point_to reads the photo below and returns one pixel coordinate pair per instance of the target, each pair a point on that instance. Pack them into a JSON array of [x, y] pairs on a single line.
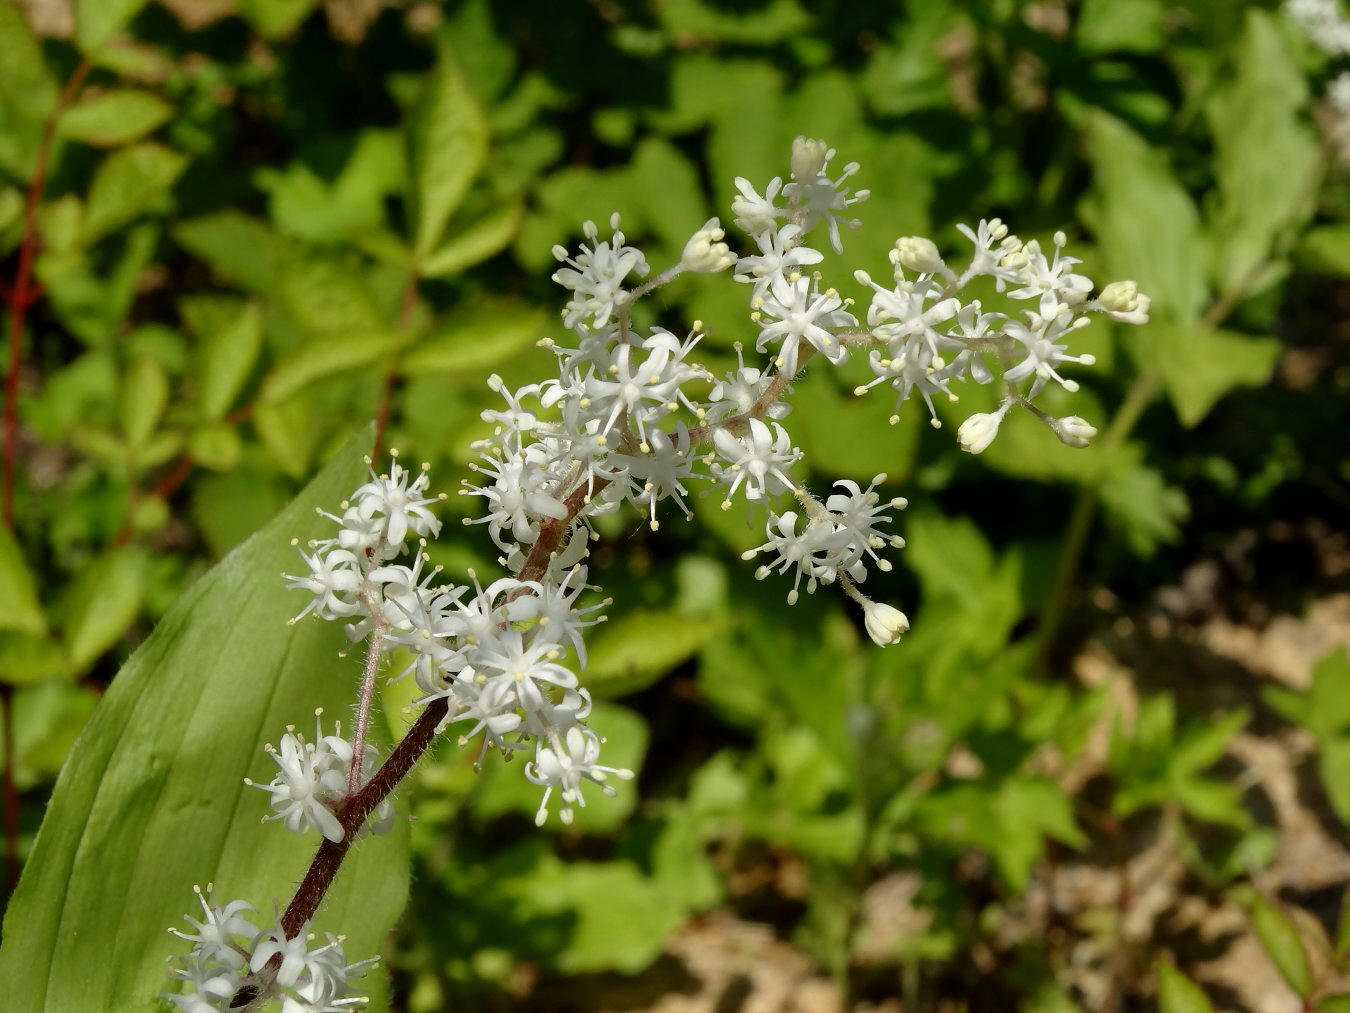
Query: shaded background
[[1119, 722]]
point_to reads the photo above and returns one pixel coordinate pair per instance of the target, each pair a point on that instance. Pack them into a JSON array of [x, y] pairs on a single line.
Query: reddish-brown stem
[[21, 295], [11, 793], [386, 401]]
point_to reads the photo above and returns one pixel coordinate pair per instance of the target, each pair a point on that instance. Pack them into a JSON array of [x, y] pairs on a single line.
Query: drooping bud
[[1122, 300], [1074, 431], [978, 431], [885, 624]]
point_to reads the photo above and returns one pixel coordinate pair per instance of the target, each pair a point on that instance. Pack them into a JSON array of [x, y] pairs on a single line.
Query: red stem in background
[[21, 295], [18, 297]]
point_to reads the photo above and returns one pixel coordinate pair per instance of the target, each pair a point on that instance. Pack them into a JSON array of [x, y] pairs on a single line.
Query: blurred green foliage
[[260, 224]]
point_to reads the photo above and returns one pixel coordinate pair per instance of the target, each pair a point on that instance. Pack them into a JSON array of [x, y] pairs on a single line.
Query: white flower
[[390, 507], [1122, 300], [1045, 352], [815, 197], [979, 430], [1073, 431], [915, 253], [705, 252], [753, 213], [313, 980], [759, 459], [564, 764], [1051, 281], [220, 953], [795, 311], [596, 275], [311, 777], [885, 624], [333, 576], [781, 255]]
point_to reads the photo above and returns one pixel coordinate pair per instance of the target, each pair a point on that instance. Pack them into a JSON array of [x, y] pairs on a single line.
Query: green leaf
[[96, 21], [447, 143], [151, 800], [1279, 938], [275, 18], [1145, 222], [1198, 365], [145, 392], [1265, 154], [27, 659], [227, 355], [1202, 746], [1334, 1004], [102, 603], [216, 447], [19, 606], [633, 651], [475, 339], [288, 432], [328, 356], [1325, 249], [1333, 764], [475, 243], [305, 205], [1105, 26], [1177, 993], [129, 182], [28, 93], [114, 118], [1149, 510], [237, 247]]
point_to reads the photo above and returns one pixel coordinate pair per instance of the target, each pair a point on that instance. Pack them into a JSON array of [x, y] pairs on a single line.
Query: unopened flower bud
[[1122, 300], [978, 431], [915, 253], [705, 252], [1074, 431], [808, 158], [885, 624]]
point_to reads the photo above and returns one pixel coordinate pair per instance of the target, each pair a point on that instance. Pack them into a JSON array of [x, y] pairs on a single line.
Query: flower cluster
[[230, 952], [624, 418]]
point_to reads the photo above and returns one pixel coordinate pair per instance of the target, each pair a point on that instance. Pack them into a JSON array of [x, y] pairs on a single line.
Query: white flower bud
[[978, 431], [915, 253], [1073, 431], [808, 158], [884, 623], [705, 252], [1122, 300]]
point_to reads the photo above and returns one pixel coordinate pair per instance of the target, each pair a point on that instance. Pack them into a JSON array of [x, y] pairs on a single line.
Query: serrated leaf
[[475, 339], [1198, 366], [635, 650], [237, 247], [19, 606], [1146, 507], [447, 143], [114, 118], [1145, 222], [227, 355], [1177, 993], [96, 21], [151, 800], [1279, 938], [128, 183], [102, 602], [474, 243], [1265, 153]]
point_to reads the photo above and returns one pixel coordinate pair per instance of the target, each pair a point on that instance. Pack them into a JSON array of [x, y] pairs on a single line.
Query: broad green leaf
[[761, 23], [1334, 1004], [1145, 222], [237, 247], [305, 205], [327, 356], [28, 93], [145, 392], [19, 606], [152, 799], [1177, 993], [48, 718], [848, 437], [129, 182], [114, 118], [1325, 249], [227, 354], [476, 339], [447, 143], [1279, 938], [216, 447], [1198, 366], [476, 242], [96, 21], [102, 603], [1265, 154], [1150, 511], [633, 651], [287, 430]]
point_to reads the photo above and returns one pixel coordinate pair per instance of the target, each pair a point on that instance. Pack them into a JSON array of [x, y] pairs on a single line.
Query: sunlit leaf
[[114, 118]]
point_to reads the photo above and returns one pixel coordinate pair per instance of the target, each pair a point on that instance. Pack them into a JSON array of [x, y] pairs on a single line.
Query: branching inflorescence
[[631, 417]]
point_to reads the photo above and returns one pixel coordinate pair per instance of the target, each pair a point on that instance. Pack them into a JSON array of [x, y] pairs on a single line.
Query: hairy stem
[[363, 709]]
